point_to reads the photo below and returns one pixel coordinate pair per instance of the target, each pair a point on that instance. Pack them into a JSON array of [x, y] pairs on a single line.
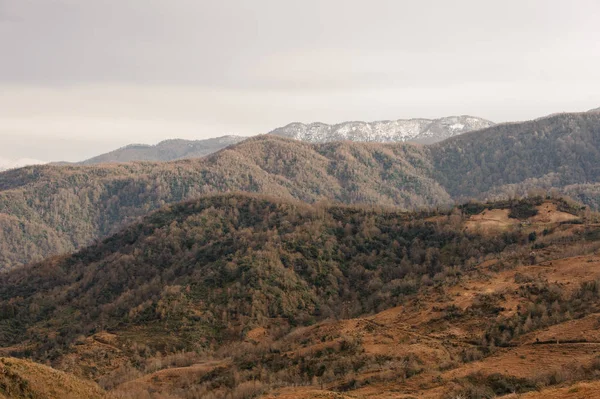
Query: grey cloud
[[145, 70], [229, 43]]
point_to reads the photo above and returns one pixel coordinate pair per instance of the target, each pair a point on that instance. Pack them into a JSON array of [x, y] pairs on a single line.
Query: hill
[[238, 296], [413, 130], [6, 164], [46, 210], [168, 150], [20, 379], [295, 261]]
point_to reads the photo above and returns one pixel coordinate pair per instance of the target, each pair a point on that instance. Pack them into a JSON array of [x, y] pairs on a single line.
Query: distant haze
[[79, 78]]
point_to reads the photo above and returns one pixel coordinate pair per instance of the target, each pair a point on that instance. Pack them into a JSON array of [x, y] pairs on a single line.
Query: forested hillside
[[235, 296], [47, 210], [423, 131], [240, 260], [53, 209], [21, 379]]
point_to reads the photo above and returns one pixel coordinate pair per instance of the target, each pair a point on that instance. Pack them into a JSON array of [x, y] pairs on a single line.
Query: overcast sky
[[81, 77]]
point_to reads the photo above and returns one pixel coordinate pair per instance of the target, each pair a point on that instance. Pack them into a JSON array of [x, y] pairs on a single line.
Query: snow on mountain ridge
[[417, 130]]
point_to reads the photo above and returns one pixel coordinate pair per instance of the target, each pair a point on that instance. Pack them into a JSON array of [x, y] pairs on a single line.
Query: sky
[[82, 77]]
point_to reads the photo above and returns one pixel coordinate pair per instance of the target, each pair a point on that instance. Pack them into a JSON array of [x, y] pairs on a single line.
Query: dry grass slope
[[20, 379]]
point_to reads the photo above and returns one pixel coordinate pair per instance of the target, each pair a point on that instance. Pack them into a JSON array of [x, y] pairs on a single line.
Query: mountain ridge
[[166, 150], [47, 210], [419, 130], [427, 131], [89, 202], [567, 141]]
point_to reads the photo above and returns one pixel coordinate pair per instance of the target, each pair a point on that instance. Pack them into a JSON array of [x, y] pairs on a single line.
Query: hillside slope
[[20, 379], [292, 259], [67, 207], [240, 296], [48, 210]]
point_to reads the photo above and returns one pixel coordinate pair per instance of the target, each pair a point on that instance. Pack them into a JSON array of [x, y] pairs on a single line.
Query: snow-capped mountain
[[415, 130], [6, 164]]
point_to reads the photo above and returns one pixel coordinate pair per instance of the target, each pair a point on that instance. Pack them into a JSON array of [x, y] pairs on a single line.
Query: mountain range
[[413, 130], [168, 150], [277, 268], [6, 164], [46, 210], [424, 131]]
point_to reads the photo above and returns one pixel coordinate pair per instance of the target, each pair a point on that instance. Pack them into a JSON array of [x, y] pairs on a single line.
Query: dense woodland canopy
[[193, 282], [238, 261], [46, 210], [552, 152]]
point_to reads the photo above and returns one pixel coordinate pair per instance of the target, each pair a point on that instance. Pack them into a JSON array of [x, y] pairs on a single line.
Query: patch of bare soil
[[568, 271], [167, 378], [549, 213], [491, 221]]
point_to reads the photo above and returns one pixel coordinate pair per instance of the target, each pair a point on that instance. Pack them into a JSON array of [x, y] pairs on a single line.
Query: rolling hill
[[237, 296], [54, 209], [46, 210]]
